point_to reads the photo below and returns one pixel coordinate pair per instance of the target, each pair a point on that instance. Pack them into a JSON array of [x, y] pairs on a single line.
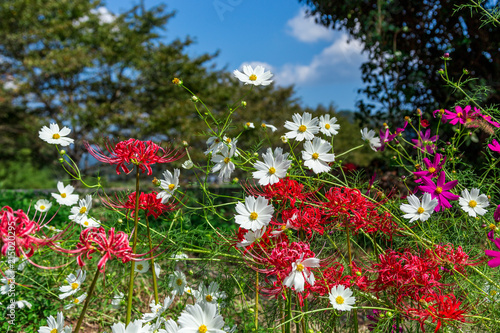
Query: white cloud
[[303, 28]]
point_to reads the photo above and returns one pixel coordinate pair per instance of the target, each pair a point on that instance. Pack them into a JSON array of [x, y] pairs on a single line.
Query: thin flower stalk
[[87, 300], [155, 284]]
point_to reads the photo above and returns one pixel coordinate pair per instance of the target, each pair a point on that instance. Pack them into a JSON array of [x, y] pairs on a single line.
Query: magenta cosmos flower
[[495, 262], [433, 168], [495, 146], [460, 115], [440, 190], [133, 151], [426, 142]]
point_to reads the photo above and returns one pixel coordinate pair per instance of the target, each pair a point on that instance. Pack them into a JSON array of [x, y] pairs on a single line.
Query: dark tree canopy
[[405, 41]]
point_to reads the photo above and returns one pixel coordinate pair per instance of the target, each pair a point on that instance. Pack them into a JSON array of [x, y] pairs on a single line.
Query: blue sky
[[320, 62]]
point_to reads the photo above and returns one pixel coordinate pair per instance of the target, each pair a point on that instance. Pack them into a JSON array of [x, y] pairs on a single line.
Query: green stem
[[354, 312], [155, 284], [87, 301], [256, 320], [288, 314]]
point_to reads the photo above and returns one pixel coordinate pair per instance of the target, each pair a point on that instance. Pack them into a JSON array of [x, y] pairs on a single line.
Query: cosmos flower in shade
[[257, 76], [209, 294], [494, 146], [133, 327], [157, 309], [43, 205], [254, 214], [76, 301], [55, 136], [273, 168], [495, 255], [328, 126], [271, 127], [341, 298], [440, 190], [55, 325], [223, 162], [369, 137], [303, 127], [473, 203], [203, 317], [385, 136], [142, 267], [133, 151], [316, 156], [65, 196], [249, 125], [177, 281], [88, 222], [425, 142], [168, 184], [301, 273], [117, 300], [433, 168], [419, 211]]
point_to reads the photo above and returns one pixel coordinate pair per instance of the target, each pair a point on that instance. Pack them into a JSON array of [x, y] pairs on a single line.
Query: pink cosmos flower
[[385, 136], [460, 115], [489, 119], [496, 214], [141, 153], [440, 190], [495, 262], [426, 142], [433, 168], [495, 146]]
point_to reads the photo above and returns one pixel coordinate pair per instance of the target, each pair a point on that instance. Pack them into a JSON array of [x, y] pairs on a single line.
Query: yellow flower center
[[460, 114], [327, 126], [472, 203], [179, 282], [139, 267], [248, 124], [76, 301], [54, 330], [300, 267], [171, 187], [420, 210], [63, 195], [315, 156], [468, 120], [83, 210], [228, 140], [283, 227], [302, 128], [253, 77], [209, 298], [176, 81], [42, 207], [254, 216], [493, 292], [263, 125], [9, 281], [493, 227], [272, 170], [227, 160], [56, 136], [203, 328], [339, 300], [86, 223], [441, 111], [74, 285], [439, 190], [432, 170]]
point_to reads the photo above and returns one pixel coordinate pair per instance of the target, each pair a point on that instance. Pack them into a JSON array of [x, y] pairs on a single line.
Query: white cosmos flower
[[273, 168], [369, 136], [303, 127], [157, 270], [55, 325], [168, 184], [223, 161], [76, 301], [419, 211], [88, 222], [65, 196], [74, 284], [250, 237], [250, 125], [142, 266], [22, 264], [55, 136], [473, 203], [328, 126], [84, 205], [254, 214], [133, 327], [301, 273], [208, 294], [273, 128], [157, 309], [43, 205], [52, 228], [257, 76], [21, 304], [316, 156], [177, 280], [341, 298], [201, 318], [8, 282], [214, 144], [117, 300], [171, 326]]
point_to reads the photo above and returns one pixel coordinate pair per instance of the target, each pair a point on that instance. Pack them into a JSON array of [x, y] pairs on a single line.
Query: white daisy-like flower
[[171, 326], [179, 256], [300, 273], [273, 168], [117, 300], [168, 184], [76, 301], [257, 76], [214, 144], [223, 161], [341, 298], [369, 136], [157, 270], [249, 125], [142, 266], [74, 284], [43, 205], [52, 228], [133, 327], [188, 290], [201, 317], [473, 203], [22, 263], [21, 304], [271, 127], [177, 280], [187, 164], [328, 126], [88, 222], [65, 196], [419, 211], [303, 127], [316, 156], [250, 237], [8, 282], [208, 294], [55, 136], [283, 228], [55, 325], [83, 208], [254, 214], [157, 309]]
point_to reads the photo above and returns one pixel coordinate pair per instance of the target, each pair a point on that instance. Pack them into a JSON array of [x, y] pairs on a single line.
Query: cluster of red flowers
[[449, 257], [148, 202]]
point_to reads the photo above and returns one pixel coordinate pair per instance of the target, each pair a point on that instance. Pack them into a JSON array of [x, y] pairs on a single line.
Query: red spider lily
[[148, 202], [141, 153], [442, 309], [448, 256], [282, 192], [404, 274], [330, 277], [305, 218]]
